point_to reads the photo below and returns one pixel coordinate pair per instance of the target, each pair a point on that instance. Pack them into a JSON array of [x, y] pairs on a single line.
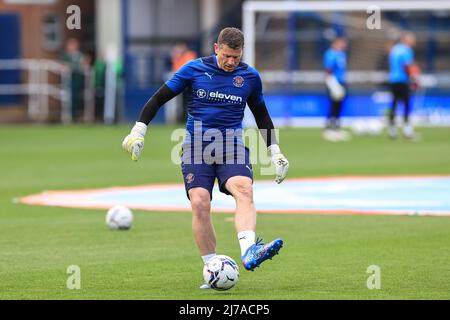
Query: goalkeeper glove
[[134, 142], [337, 91], [280, 162]]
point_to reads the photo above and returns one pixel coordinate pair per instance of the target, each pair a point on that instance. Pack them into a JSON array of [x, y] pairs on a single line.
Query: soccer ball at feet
[[119, 218], [221, 273]]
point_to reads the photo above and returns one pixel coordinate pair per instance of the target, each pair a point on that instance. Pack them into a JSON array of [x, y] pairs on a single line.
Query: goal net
[[286, 41]]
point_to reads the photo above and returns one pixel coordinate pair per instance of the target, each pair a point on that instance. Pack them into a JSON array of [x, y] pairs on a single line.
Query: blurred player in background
[[402, 74], [335, 64], [180, 55], [76, 61], [221, 85]]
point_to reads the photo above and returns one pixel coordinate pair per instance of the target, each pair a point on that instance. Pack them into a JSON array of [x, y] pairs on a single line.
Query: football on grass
[[119, 218], [221, 273]]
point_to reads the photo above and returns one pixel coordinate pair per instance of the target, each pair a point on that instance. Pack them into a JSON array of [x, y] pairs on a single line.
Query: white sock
[[207, 257], [246, 240]]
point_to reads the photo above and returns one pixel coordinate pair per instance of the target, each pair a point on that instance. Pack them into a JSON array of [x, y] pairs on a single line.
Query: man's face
[[227, 59], [410, 41], [72, 46]]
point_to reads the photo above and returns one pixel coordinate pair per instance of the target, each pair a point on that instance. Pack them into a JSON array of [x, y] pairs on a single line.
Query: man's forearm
[[264, 123]]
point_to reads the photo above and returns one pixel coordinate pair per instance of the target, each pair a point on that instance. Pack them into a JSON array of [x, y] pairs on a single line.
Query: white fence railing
[[38, 84], [353, 77]]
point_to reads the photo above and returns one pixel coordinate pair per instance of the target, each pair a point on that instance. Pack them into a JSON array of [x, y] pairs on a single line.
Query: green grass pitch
[[325, 257]]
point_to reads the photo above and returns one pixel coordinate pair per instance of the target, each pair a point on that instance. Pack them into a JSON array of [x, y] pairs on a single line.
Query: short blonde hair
[[232, 37]]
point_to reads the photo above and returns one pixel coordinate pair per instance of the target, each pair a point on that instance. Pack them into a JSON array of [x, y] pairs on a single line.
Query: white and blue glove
[[280, 162], [337, 91], [134, 142]]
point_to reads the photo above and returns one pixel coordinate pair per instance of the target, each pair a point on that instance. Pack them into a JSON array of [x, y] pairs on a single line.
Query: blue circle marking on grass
[[426, 195]]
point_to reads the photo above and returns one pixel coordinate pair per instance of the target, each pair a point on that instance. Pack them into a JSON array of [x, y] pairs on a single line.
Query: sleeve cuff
[[274, 149], [140, 127]]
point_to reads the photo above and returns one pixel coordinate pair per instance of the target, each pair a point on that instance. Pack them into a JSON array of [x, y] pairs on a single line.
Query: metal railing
[[317, 77], [38, 86]]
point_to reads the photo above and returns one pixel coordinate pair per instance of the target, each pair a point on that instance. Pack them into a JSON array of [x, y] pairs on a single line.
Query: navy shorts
[[203, 171]]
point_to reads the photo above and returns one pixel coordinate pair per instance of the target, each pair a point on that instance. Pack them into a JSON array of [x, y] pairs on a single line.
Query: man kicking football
[[221, 86]]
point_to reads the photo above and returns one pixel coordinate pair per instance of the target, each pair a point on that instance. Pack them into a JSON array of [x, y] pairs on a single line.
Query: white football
[[375, 127], [221, 273], [119, 218], [359, 127]]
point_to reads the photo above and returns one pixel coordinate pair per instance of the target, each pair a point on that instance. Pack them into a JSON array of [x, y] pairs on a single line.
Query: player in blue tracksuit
[[401, 59], [335, 65], [221, 86]]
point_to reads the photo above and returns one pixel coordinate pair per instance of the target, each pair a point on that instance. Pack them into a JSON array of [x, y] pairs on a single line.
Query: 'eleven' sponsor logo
[[216, 95]]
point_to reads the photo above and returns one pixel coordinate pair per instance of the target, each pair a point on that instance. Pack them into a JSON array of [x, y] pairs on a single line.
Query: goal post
[[271, 37], [250, 8]]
